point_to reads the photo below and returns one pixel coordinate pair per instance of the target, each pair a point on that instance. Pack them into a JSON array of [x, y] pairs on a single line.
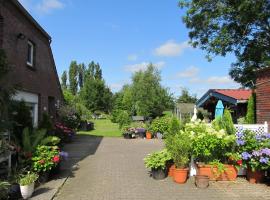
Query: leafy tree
[[240, 27], [250, 117], [98, 72], [185, 97], [81, 74], [64, 80], [73, 77]]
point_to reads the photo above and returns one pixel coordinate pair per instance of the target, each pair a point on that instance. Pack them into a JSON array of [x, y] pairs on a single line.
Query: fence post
[[266, 127]]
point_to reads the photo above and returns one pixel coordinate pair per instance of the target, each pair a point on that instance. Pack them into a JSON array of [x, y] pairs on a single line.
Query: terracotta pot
[[148, 135], [255, 177], [171, 170], [201, 181], [180, 175], [229, 174]]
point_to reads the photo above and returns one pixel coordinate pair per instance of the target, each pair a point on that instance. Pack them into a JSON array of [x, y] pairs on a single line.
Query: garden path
[[115, 171]]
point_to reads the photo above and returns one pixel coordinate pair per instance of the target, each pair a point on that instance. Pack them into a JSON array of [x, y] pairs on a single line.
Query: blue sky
[[124, 36]]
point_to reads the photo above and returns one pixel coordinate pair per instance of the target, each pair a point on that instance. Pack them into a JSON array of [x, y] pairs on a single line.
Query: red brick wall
[[263, 96], [43, 79]]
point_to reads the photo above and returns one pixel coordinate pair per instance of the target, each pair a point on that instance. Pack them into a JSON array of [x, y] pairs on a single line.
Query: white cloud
[[219, 80], [47, 6], [190, 72], [116, 86], [143, 66], [132, 57], [171, 49]]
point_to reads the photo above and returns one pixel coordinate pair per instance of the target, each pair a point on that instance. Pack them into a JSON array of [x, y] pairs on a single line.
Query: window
[[30, 54]]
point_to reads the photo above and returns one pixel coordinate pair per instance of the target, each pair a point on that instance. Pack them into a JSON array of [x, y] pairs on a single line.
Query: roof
[[30, 18], [185, 107], [233, 96]]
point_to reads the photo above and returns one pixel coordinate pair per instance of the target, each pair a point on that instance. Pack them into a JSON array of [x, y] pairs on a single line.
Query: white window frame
[[31, 44]]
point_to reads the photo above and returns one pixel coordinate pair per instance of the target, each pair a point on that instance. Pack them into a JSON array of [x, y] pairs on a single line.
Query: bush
[[251, 111], [225, 122], [157, 159], [160, 125], [174, 126], [123, 119], [70, 117]]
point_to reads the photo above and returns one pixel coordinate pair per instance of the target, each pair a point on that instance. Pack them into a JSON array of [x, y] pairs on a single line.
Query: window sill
[[31, 67]]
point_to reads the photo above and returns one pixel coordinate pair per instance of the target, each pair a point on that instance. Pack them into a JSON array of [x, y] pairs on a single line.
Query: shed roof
[[232, 96]]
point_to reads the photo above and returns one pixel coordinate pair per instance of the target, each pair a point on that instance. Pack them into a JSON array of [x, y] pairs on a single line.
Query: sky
[[124, 37]]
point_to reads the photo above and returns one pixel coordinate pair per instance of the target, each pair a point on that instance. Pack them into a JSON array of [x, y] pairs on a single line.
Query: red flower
[[239, 162], [56, 159], [41, 161]]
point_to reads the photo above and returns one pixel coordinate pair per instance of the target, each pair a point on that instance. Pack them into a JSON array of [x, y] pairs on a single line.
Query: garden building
[[184, 110], [234, 99], [27, 46]]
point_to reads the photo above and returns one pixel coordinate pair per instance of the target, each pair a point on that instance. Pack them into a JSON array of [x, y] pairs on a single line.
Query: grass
[[105, 128]]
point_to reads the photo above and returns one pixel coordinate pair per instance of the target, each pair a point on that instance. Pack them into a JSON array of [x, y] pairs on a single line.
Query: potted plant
[[254, 150], [157, 163], [45, 158], [4, 186], [179, 146], [160, 126], [27, 183]]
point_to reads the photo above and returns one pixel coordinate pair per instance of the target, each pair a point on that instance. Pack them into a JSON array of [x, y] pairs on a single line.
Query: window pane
[[30, 54]]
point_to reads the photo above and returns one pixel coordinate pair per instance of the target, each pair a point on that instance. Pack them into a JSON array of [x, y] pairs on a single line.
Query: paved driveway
[[115, 171]]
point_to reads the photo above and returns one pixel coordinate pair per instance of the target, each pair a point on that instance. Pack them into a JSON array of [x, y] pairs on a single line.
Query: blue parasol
[[219, 109]]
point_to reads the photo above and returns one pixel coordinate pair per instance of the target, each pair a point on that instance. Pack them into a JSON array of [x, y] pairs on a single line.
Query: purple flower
[[264, 160], [239, 135], [245, 155], [256, 153], [267, 135], [64, 155], [240, 142], [265, 151], [259, 137]]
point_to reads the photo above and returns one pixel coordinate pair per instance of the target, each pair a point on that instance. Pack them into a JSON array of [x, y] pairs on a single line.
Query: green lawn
[[104, 127]]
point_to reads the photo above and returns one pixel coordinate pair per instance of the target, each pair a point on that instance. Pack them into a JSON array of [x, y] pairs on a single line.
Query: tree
[[240, 27], [251, 115], [185, 97], [81, 74], [64, 80], [98, 72], [73, 77]]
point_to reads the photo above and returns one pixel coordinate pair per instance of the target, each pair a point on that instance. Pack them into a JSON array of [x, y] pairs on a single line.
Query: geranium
[[56, 159]]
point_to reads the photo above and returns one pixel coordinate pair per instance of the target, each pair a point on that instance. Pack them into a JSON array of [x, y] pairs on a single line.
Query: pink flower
[[56, 159]]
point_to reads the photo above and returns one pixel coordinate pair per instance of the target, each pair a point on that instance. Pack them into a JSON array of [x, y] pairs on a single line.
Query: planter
[[14, 191], [127, 135], [159, 174], [171, 170], [148, 135], [43, 177], [27, 190], [255, 177], [229, 174], [180, 175], [201, 181]]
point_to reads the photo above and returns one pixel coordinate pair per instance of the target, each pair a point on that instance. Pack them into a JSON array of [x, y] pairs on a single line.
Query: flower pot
[[43, 177], [27, 190], [158, 174], [201, 181], [180, 175], [171, 170], [127, 136], [229, 174], [148, 135], [14, 191], [255, 177]]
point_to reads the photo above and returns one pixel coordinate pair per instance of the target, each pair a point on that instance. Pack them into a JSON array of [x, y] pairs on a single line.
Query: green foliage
[[123, 118], [31, 139], [185, 97], [179, 146], [157, 159], [225, 122], [174, 126], [70, 116], [73, 81], [4, 186], [50, 140], [45, 158], [222, 27], [160, 125], [64, 80], [251, 111], [28, 178]]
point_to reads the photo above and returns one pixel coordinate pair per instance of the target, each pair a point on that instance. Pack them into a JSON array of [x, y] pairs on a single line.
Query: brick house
[[263, 96], [27, 46]]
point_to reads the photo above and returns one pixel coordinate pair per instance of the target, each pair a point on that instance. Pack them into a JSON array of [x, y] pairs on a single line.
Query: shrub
[[45, 158], [250, 117], [123, 118], [179, 146], [160, 125], [70, 117], [225, 122], [157, 159], [174, 126]]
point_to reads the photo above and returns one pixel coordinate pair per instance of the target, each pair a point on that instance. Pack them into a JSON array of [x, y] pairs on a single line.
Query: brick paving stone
[[115, 171]]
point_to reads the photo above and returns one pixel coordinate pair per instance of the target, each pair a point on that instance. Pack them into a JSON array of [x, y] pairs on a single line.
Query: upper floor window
[[30, 53]]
